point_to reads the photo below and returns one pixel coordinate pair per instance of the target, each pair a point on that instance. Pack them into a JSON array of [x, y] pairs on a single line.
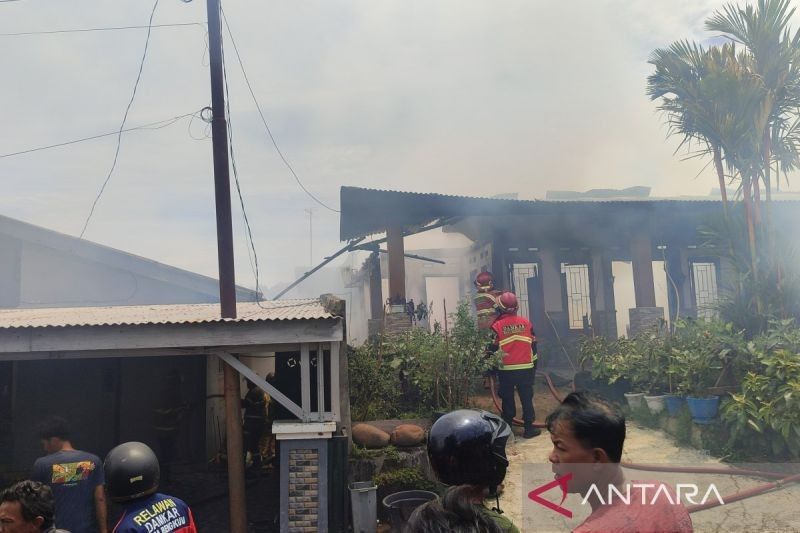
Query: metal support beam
[[274, 393]]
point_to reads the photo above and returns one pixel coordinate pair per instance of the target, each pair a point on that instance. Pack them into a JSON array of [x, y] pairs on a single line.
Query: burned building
[[570, 259]]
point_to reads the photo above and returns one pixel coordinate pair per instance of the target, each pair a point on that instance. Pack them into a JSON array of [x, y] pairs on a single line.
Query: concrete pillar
[[604, 319], [645, 316], [551, 280], [397, 265], [10, 272], [642, 258], [499, 263], [375, 295]]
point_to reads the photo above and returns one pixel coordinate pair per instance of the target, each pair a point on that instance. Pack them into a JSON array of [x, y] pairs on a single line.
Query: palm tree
[[714, 98], [764, 32]]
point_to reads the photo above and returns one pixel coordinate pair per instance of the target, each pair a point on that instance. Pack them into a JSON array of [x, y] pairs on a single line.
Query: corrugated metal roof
[[370, 211], [161, 314]]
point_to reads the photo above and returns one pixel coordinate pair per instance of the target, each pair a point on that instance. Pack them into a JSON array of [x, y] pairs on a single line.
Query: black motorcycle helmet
[[131, 471], [468, 447]]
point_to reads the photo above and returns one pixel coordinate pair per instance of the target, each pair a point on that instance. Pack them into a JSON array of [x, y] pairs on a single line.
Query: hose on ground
[[779, 482]]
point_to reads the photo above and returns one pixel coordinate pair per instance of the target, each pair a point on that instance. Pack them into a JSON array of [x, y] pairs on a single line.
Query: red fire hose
[[779, 482], [517, 421]]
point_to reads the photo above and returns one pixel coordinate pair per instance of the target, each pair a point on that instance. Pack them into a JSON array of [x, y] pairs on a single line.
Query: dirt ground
[[543, 400], [774, 511]]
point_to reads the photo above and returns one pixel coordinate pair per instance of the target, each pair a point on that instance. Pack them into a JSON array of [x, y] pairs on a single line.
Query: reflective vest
[[515, 338], [486, 307]]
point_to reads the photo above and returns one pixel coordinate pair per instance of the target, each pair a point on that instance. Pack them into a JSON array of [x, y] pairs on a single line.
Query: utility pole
[[310, 237], [227, 282]]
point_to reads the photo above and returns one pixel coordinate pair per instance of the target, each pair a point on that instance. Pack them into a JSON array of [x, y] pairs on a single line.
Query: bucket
[[635, 399], [401, 505], [673, 403], [703, 410], [655, 403], [363, 500]]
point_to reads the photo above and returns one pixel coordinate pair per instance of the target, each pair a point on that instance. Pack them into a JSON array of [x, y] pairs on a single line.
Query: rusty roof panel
[[265, 311]]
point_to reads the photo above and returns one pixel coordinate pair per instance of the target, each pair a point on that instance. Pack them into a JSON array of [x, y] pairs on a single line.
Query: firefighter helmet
[[131, 471], [468, 447], [484, 281], [507, 303]]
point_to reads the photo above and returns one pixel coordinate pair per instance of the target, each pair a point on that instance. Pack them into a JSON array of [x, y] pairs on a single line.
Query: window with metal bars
[[579, 301]]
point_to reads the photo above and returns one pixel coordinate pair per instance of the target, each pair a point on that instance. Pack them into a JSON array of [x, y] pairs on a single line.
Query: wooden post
[[397, 265]]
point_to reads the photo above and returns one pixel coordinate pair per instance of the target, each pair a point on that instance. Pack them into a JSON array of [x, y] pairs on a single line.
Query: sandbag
[[407, 435], [369, 436]]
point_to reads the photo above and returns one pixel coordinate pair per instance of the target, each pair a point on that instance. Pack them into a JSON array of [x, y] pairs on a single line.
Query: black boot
[[531, 432]]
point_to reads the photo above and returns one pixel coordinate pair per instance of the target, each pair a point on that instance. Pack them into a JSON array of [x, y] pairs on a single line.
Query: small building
[[305, 339], [104, 338]]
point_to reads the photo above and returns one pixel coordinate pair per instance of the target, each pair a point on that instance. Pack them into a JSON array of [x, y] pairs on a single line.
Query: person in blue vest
[[132, 477]]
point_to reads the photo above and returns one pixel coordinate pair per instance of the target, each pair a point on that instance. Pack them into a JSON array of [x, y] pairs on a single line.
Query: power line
[[124, 119], [151, 126], [264, 120], [252, 255], [109, 28]]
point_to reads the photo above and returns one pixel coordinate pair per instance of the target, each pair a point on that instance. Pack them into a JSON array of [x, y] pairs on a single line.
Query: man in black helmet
[[467, 450], [132, 476]]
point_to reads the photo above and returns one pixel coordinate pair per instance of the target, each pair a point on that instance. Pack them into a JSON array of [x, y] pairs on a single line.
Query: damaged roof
[[369, 211], [265, 311]]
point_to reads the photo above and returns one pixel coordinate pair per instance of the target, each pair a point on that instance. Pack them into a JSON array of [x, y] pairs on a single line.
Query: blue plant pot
[[674, 404], [703, 410]]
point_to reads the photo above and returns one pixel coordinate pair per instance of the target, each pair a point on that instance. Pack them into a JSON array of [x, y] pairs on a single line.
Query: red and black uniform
[[486, 307], [514, 335]]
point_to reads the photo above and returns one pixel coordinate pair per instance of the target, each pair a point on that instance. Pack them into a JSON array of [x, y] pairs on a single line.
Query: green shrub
[[409, 478], [767, 410], [414, 374]]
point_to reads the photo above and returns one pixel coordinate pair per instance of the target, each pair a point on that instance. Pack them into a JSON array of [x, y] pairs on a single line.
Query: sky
[[450, 96]]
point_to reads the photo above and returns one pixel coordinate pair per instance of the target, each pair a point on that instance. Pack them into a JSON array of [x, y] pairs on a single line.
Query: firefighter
[[255, 421], [486, 300], [132, 476], [467, 450], [513, 335]]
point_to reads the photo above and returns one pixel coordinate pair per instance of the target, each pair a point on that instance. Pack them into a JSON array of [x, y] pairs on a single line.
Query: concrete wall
[[50, 278]]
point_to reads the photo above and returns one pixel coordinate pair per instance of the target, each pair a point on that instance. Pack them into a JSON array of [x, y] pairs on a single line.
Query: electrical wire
[[151, 126], [251, 249], [124, 119], [264, 121], [109, 28]]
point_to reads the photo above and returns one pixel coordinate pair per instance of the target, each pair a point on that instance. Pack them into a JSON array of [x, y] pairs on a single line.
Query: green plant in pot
[[632, 365], [697, 371], [656, 362]]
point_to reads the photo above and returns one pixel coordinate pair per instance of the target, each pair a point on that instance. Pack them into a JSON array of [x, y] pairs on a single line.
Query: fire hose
[[780, 480]]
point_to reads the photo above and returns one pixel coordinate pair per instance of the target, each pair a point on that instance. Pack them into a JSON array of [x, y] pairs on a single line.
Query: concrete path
[[774, 511]]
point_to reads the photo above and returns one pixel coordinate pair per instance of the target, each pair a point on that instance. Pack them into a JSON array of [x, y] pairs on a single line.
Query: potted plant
[[697, 371], [632, 365], [655, 362], [673, 400]]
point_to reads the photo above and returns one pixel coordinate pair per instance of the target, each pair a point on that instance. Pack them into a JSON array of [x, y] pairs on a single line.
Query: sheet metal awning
[[369, 211]]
